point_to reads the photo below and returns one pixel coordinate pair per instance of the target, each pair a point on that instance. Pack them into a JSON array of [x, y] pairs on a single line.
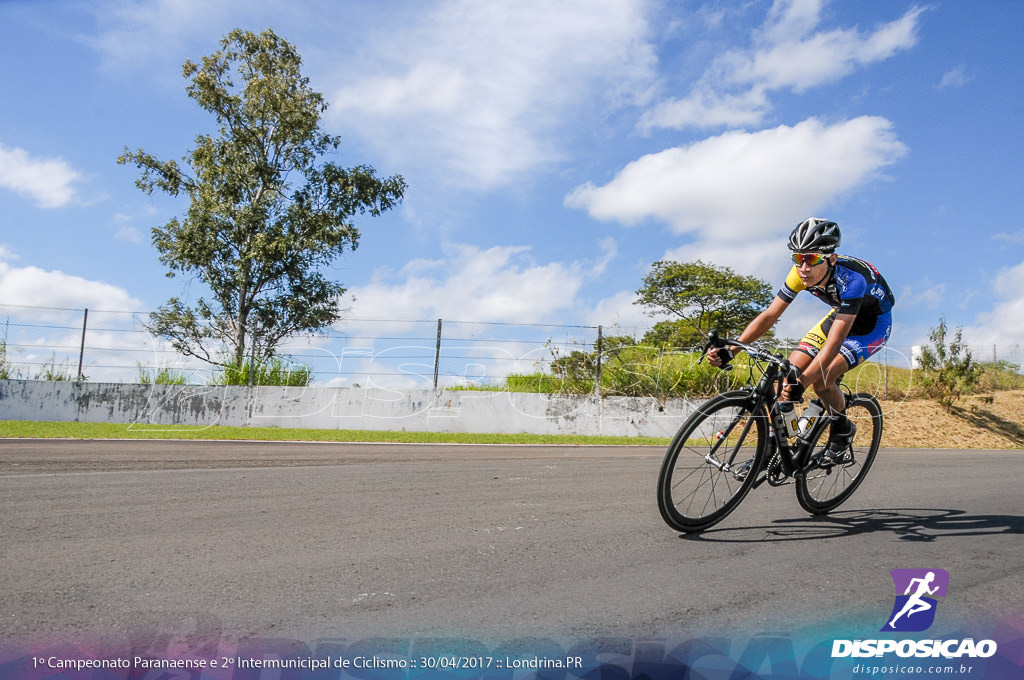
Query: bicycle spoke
[[831, 483], [700, 482]]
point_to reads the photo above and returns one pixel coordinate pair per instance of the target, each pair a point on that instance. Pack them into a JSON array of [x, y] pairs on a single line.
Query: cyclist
[[858, 325]]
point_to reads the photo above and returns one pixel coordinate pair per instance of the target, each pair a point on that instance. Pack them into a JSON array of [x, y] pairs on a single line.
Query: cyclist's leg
[[854, 351], [825, 385]]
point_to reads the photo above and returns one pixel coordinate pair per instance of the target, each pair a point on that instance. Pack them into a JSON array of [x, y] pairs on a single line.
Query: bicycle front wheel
[[827, 485], [711, 463]]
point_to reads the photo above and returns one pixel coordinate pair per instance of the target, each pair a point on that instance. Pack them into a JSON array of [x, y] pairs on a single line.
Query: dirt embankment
[[973, 423]]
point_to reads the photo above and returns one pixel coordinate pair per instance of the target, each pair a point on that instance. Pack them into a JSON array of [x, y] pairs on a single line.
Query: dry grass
[[973, 423]]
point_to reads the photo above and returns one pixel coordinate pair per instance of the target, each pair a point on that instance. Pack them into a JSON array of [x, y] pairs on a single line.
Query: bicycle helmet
[[815, 235]]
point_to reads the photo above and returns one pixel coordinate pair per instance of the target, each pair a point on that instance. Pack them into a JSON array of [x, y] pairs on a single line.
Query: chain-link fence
[[39, 343]]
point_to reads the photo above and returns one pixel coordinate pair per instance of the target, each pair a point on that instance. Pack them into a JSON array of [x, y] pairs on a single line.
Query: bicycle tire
[[824, 488], [694, 494]]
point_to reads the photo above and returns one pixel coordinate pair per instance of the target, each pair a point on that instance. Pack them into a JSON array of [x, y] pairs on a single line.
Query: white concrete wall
[[349, 408]]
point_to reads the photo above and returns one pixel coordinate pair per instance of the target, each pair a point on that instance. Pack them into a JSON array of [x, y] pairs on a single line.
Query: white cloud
[[926, 294], [474, 93], [125, 229], [610, 250], [753, 255], [496, 284], [956, 78], [128, 233], [738, 190], [47, 181], [1002, 325], [1014, 238], [35, 287], [135, 34], [704, 107], [427, 88], [786, 54], [790, 19], [477, 92], [820, 58], [619, 316]]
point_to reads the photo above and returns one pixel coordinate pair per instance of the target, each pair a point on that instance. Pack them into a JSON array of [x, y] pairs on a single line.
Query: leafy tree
[[704, 296], [613, 345], [675, 333], [949, 370], [579, 365], [265, 214]]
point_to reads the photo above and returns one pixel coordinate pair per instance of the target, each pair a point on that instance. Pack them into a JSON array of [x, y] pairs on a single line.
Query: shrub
[[165, 375], [56, 372], [275, 372], [949, 370], [6, 373]]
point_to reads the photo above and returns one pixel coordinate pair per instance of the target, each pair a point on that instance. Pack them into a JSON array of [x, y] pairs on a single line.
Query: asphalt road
[[106, 541]]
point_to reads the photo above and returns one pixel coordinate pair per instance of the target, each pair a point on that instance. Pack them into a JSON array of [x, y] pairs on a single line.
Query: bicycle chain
[[774, 474]]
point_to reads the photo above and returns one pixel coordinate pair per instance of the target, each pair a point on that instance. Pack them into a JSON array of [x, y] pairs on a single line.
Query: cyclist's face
[[812, 274]]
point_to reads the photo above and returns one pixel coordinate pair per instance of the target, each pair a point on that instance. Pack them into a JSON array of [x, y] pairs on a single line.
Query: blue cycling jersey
[[855, 287]]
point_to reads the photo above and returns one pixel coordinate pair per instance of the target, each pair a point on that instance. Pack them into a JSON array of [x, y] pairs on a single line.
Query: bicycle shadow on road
[[906, 524]]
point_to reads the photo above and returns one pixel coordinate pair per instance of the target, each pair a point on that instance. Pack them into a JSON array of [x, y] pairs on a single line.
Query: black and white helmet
[[815, 235]]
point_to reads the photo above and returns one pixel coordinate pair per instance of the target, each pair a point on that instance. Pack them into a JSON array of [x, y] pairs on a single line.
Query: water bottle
[[788, 413], [811, 413]]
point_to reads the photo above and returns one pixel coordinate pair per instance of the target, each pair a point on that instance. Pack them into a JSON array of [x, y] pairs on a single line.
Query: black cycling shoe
[[839, 449]]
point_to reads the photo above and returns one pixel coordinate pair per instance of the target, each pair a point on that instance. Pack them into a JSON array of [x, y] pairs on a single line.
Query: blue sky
[[553, 150]]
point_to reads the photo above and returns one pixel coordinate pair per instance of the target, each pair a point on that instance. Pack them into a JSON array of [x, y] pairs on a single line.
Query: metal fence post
[[885, 372], [437, 353], [81, 349], [599, 347], [995, 368]]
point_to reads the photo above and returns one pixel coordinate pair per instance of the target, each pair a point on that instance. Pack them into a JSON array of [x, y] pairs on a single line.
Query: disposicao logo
[[916, 590], [914, 611]]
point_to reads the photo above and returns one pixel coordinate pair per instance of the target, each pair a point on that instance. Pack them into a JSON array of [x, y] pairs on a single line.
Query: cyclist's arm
[[830, 350], [755, 329], [764, 321]]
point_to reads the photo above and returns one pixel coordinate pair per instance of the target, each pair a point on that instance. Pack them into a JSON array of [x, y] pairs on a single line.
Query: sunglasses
[[810, 259]]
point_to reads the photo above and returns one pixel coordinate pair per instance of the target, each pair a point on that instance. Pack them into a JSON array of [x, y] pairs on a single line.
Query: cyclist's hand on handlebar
[[793, 392], [792, 388], [720, 357]]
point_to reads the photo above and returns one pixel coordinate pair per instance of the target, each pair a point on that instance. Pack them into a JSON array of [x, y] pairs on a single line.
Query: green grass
[[51, 430], [650, 371]]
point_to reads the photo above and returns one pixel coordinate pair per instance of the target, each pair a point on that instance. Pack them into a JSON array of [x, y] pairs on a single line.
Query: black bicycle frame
[[793, 458]]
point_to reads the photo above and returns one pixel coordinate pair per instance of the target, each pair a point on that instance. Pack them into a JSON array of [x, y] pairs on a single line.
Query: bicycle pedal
[[823, 459], [843, 458], [740, 472], [828, 458]]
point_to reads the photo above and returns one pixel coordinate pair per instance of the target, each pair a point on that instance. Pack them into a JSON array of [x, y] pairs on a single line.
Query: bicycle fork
[[722, 436]]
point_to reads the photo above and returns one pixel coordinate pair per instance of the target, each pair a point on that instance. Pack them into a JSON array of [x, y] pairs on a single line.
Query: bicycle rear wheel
[[825, 486], [702, 479]]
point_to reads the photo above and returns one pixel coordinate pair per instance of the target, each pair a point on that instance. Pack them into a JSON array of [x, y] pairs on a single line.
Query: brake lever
[[711, 342], [715, 341]]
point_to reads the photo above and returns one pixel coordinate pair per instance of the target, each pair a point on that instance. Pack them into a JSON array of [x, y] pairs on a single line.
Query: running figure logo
[[916, 590]]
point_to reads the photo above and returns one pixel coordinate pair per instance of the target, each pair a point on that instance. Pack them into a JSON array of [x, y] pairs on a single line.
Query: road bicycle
[[738, 440]]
